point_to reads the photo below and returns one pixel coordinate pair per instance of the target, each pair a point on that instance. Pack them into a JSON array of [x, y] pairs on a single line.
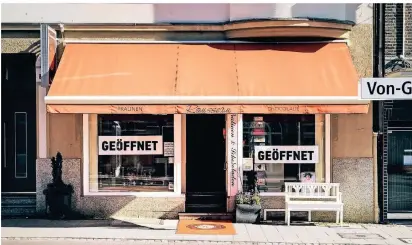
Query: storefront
[[177, 121]]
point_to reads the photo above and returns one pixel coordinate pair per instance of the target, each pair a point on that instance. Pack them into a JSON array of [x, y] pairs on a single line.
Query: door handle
[[4, 145]]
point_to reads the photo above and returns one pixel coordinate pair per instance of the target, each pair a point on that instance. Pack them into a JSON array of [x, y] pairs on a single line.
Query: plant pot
[[246, 213], [58, 199]]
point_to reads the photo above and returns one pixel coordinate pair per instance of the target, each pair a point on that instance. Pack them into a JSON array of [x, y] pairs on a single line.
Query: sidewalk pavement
[[164, 232]]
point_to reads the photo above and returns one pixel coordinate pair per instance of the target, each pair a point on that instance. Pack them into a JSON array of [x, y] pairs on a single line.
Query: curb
[[163, 241]]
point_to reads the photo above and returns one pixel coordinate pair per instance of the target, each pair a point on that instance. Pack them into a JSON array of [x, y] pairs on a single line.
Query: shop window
[[135, 154], [277, 130]]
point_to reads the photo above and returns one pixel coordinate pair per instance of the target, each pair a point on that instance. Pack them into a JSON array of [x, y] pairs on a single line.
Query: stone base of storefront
[[104, 206], [355, 176]]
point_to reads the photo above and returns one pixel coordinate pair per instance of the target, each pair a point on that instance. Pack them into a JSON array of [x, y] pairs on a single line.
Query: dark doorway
[[205, 164], [18, 95], [400, 171]]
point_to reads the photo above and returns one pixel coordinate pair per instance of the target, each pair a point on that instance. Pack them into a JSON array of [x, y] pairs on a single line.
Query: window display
[[278, 130], [135, 153]]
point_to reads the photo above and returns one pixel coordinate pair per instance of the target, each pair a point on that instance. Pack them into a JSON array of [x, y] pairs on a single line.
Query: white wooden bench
[[308, 197]]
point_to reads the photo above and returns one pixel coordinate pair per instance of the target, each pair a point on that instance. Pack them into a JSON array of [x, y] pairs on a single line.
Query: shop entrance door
[[18, 122], [205, 164], [400, 174]]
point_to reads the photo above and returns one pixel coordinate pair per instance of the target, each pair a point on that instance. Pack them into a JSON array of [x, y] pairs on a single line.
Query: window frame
[[325, 152], [87, 141]]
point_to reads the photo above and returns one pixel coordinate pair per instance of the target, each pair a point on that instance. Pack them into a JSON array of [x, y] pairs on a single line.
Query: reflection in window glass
[[277, 129], [20, 140], [140, 172]]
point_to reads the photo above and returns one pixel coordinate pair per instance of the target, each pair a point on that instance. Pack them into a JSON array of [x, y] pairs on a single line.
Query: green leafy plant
[[248, 198], [255, 199], [239, 198]]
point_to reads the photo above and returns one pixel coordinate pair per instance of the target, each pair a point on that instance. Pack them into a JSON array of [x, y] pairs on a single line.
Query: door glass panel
[[20, 142], [400, 171]]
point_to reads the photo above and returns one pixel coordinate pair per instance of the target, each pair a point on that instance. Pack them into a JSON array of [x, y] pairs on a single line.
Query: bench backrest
[[296, 190]]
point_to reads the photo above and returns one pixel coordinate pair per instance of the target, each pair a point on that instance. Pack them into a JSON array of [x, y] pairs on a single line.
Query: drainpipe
[[381, 69], [382, 39], [375, 61], [61, 27], [404, 30], [375, 107], [378, 71], [375, 178]]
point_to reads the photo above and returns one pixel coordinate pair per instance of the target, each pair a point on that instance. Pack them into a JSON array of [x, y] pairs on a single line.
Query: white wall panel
[[182, 13], [76, 13]]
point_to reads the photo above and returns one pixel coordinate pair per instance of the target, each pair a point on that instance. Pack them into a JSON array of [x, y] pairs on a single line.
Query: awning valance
[[206, 78]]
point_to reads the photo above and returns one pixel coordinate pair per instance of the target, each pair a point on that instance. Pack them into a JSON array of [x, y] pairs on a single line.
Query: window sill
[[135, 194], [272, 194]]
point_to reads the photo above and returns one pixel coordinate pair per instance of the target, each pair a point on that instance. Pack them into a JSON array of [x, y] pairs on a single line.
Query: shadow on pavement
[[45, 223]]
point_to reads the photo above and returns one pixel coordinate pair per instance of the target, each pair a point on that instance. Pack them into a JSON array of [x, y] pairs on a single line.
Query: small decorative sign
[[286, 154], [130, 145], [308, 177], [247, 164], [169, 149]]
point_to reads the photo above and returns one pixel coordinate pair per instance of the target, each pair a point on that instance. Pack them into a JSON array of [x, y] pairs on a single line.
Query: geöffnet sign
[[286, 154], [130, 145]]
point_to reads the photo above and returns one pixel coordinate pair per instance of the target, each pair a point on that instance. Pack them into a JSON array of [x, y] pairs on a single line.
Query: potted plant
[[58, 194], [248, 206]]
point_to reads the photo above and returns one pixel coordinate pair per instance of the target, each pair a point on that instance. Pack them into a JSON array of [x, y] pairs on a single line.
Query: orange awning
[[206, 78]]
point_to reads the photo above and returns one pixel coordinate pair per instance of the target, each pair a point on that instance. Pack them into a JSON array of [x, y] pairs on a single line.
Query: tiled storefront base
[[104, 206], [355, 176]]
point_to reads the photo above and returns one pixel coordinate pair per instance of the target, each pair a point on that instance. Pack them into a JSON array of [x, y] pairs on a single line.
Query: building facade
[[192, 88], [394, 119]]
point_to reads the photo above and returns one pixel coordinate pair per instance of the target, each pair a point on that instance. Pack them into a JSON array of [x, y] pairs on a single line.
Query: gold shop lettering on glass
[[233, 150], [130, 145], [280, 109], [129, 108], [194, 109], [286, 154]]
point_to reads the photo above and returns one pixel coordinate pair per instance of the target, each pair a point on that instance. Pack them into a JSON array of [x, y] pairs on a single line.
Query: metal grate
[[387, 108], [361, 236]]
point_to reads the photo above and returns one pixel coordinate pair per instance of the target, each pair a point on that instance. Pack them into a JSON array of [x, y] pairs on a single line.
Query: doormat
[[205, 227]]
